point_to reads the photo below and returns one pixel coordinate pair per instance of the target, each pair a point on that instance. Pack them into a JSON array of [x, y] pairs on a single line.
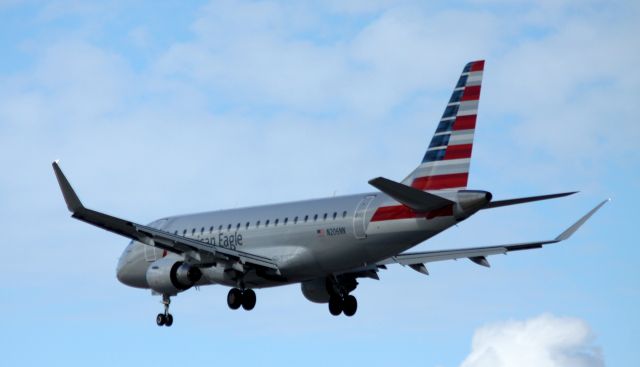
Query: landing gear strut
[[245, 298], [165, 319]]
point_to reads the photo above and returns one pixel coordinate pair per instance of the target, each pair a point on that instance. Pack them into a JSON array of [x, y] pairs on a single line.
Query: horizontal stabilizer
[[413, 198], [499, 203]]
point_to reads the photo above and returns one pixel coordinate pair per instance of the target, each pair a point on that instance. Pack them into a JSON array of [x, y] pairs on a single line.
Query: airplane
[[325, 245]]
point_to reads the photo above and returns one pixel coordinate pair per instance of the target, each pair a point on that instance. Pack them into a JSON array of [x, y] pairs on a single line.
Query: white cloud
[[543, 341]]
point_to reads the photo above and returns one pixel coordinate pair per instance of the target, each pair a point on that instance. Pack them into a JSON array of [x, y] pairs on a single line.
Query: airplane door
[[151, 253], [360, 217]]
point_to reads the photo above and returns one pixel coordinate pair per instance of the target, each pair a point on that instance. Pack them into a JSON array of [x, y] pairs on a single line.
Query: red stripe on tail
[[465, 122], [441, 181], [477, 66], [402, 212], [458, 151], [471, 93]]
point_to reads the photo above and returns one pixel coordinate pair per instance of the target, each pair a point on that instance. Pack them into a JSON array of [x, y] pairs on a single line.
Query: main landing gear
[[165, 319], [245, 298], [343, 304]]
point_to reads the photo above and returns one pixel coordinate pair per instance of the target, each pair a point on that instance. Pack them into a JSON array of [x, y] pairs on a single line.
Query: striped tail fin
[[445, 165]]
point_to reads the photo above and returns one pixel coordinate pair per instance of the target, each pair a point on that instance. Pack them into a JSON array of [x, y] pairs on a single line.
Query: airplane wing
[[416, 260], [197, 251]]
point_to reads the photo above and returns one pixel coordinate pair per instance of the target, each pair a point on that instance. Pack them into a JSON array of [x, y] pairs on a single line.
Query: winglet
[[70, 197], [571, 230]]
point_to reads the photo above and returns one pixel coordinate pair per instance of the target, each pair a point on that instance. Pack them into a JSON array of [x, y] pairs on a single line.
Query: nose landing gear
[[165, 319]]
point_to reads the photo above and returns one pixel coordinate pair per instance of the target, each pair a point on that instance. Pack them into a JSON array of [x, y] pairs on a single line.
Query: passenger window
[[193, 231], [324, 217], [229, 227], [276, 222], [335, 215], [220, 228], [344, 214], [305, 218], [295, 220], [184, 232], [266, 224], [202, 231], [286, 220], [176, 232], [246, 226], [237, 226], [211, 229], [315, 217], [257, 224]]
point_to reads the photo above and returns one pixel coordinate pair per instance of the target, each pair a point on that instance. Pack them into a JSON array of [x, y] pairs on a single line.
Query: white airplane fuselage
[[309, 239]]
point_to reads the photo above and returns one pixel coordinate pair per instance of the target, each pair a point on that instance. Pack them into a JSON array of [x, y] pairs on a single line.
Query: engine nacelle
[[316, 290], [168, 276]]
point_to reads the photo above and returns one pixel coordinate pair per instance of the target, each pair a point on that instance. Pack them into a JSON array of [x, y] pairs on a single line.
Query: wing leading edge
[[416, 260], [197, 251]]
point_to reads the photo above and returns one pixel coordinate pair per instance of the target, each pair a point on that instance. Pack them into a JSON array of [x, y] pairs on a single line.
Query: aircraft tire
[[248, 299], [161, 319], [234, 298], [335, 306], [350, 305], [168, 320]]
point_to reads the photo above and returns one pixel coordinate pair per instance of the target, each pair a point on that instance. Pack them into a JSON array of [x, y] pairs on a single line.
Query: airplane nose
[[130, 271], [122, 273]]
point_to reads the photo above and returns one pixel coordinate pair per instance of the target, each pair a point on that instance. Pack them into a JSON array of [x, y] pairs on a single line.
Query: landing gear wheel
[[335, 306], [161, 319], [248, 299], [168, 320], [234, 298], [350, 306]]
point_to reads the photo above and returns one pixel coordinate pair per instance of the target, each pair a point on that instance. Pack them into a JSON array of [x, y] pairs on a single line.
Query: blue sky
[[158, 109]]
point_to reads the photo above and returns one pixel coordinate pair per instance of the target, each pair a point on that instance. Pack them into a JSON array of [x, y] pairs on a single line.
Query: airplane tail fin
[[445, 165]]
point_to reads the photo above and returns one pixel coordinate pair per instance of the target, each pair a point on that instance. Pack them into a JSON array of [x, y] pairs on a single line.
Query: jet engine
[[168, 276], [316, 290]]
